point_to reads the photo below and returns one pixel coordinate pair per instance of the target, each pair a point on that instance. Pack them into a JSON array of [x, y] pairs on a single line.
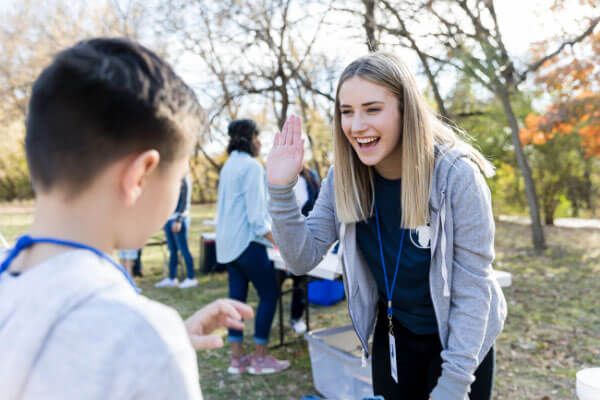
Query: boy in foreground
[[109, 131]]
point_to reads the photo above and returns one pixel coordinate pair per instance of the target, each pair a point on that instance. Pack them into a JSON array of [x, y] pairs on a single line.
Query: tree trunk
[[549, 204], [369, 25], [537, 232], [549, 215]]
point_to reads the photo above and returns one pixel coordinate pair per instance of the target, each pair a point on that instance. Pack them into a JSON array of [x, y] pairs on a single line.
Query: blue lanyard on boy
[[389, 289], [27, 241]]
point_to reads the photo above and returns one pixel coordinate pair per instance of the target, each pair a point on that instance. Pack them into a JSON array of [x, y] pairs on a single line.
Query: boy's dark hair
[[241, 132], [99, 101]]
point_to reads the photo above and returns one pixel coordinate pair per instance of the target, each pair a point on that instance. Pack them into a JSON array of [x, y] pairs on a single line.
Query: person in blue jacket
[[243, 234]]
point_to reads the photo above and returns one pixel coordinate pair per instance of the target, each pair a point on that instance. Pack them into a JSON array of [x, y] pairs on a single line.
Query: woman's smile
[[367, 143]]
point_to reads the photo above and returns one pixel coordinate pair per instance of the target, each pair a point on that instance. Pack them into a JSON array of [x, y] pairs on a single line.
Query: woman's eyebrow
[[369, 103]]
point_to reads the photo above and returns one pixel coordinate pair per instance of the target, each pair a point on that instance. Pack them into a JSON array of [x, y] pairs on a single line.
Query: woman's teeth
[[366, 140]]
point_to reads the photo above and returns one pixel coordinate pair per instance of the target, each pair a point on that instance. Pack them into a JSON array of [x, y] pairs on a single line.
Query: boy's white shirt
[[73, 328]]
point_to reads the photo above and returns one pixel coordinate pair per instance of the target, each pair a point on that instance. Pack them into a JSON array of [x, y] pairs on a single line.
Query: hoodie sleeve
[[303, 241], [469, 212]]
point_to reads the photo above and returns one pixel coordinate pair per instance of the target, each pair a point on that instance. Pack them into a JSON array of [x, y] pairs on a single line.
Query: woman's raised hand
[[286, 157]]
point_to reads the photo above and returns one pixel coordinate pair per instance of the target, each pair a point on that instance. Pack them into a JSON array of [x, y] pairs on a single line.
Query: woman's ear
[[136, 173]]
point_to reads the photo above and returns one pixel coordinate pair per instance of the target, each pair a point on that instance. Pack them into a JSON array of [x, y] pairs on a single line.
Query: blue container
[[324, 292]]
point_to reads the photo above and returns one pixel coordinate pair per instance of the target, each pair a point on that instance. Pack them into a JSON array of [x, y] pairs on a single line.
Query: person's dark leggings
[[298, 296], [178, 242], [253, 265], [419, 364], [137, 265]]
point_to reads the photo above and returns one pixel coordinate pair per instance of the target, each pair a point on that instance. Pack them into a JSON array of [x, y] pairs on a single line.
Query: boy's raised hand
[[286, 157], [220, 313]]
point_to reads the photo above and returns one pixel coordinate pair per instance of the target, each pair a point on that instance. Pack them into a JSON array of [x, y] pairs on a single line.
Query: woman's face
[[256, 145], [370, 120]]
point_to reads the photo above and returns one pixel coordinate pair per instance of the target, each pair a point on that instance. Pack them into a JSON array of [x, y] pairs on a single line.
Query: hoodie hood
[[445, 160]]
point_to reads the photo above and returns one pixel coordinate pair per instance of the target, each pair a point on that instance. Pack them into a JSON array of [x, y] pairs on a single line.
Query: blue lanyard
[[26, 241], [389, 289]]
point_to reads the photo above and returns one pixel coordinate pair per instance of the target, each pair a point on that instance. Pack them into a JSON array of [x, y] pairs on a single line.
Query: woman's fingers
[[292, 120], [290, 133], [297, 130], [285, 132]]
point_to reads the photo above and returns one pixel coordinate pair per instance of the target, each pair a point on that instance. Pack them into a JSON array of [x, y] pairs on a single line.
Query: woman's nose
[[357, 123]]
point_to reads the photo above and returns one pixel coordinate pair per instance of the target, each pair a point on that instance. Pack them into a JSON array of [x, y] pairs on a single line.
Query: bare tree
[[494, 69], [369, 24], [258, 56], [30, 34], [390, 20]]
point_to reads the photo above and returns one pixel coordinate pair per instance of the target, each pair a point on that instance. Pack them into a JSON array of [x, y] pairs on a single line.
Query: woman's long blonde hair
[[421, 130]]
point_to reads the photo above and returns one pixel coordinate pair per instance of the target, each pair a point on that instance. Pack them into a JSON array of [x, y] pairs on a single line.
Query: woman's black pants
[[419, 364]]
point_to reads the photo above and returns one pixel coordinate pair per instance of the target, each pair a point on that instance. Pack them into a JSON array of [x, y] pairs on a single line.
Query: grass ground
[[552, 331]]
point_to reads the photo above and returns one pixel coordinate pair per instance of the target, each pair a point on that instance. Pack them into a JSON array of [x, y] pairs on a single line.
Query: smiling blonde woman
[[408, 202]]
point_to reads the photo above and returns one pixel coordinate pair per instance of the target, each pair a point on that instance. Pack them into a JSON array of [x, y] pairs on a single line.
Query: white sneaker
[[299, 326], [167, 282], [188, 283]]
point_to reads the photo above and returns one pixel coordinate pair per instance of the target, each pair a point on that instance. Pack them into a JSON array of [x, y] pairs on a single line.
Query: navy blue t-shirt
[[411, 300]]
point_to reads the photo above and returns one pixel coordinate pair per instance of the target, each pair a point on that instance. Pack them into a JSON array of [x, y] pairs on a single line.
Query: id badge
[[394, 366]]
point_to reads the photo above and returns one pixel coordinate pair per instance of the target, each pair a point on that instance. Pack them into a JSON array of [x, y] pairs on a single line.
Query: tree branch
[[533, 67]]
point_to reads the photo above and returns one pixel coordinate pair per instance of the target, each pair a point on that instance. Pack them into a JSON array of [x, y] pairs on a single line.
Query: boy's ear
[[135, 174]]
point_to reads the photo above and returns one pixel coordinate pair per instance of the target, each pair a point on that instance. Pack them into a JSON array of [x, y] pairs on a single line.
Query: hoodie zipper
[[365, 351], [365, 348], [444, 267]]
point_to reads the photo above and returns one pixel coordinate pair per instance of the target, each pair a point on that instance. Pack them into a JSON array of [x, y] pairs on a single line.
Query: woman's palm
[[286, 157]]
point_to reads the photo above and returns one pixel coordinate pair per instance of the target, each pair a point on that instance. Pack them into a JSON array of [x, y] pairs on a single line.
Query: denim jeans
[[177, 242], [253, 265]]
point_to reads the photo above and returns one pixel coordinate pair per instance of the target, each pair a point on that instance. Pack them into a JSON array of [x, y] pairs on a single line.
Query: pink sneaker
[[239, 365], [267, 365]]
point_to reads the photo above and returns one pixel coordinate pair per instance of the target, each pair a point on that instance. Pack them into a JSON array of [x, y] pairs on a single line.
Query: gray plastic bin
[[336, 364]]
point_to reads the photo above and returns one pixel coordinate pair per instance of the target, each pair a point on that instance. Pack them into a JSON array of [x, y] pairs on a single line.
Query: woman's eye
[[373, 110], [346, 112]]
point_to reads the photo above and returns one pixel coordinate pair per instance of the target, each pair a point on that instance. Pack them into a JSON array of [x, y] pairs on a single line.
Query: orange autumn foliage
[[573, 81], [566, 118]]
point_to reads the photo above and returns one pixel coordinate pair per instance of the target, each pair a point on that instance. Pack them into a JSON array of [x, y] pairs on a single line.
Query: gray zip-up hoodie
[[469, 305]]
